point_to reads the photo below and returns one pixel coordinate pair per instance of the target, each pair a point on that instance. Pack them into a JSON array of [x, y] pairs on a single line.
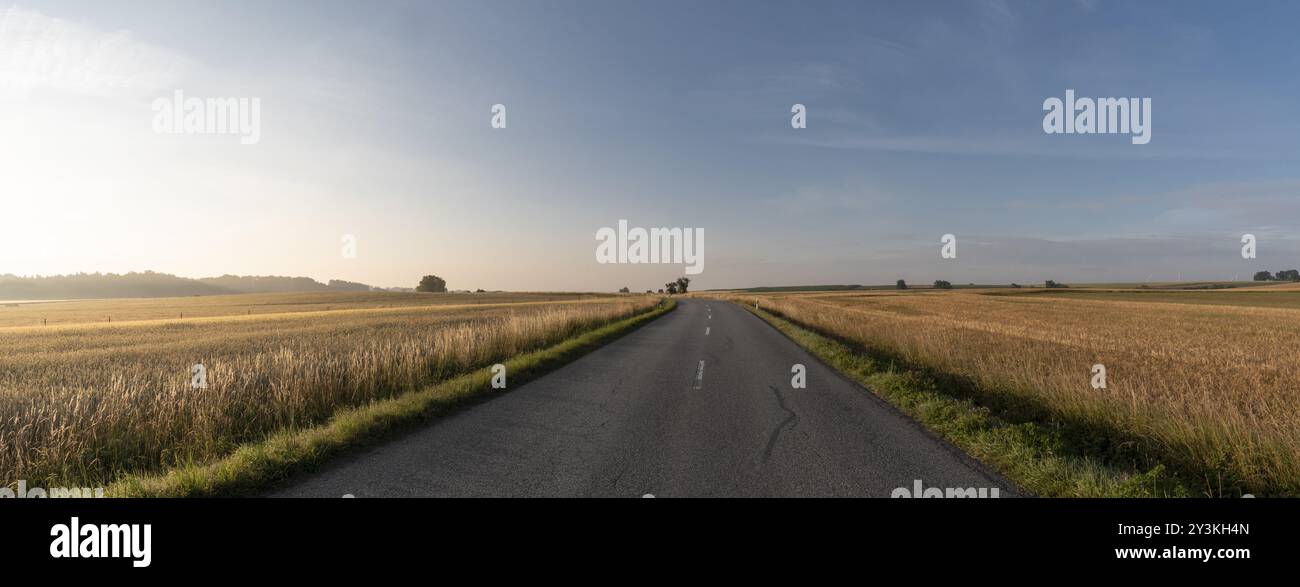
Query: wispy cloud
[[805, 78], [1088, 5], [1271, 206], [38, 51]]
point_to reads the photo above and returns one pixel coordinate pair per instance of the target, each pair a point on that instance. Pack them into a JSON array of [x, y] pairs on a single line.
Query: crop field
[[135, 309], [1206, 382], [1262, 297], [84, 403]]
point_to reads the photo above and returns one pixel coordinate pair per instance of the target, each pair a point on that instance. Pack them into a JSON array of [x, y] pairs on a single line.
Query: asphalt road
[[697, 403]]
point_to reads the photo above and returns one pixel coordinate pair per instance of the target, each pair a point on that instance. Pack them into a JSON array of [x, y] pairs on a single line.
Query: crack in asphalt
[[791, 419]]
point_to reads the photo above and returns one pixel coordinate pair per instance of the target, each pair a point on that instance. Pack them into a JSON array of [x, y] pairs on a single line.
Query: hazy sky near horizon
[[923, 118]]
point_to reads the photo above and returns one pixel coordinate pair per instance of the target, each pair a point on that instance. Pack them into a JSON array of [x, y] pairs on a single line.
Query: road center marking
[[706, 331], [699, 375]]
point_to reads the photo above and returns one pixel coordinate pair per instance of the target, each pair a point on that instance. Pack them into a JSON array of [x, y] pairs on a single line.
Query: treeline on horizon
[[150, 284]]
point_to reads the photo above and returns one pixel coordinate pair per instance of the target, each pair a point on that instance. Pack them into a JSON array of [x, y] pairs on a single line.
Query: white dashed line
[[706, 331], [699, 375]]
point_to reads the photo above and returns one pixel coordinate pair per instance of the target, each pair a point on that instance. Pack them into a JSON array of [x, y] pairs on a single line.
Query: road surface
[[697, 403]]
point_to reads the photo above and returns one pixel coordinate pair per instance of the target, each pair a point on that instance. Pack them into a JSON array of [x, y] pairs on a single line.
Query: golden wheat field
[[1213, 386], [135, 309], [83, 403]]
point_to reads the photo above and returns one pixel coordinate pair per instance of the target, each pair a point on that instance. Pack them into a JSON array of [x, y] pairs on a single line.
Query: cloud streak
[[38, 51]]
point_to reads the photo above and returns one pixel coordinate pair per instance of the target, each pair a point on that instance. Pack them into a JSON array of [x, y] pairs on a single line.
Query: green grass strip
[[1035, 455], [256, 467]]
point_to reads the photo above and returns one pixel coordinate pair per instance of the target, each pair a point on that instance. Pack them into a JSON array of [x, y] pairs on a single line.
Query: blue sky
[[924, 118]]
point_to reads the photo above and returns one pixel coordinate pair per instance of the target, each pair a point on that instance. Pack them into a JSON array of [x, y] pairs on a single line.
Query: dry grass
[[83, 404], [1210, 389]]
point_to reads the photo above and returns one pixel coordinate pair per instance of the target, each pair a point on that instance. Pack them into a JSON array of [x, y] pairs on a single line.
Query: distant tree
[[649, 291], [661, 290], [900, 284], [1015, 285], [1052, 284], [338, 284], [265, 283], [682, 284], [671, 287], [479, 290], [624, 290], [1288, 275], [941, 284], [432, 283], [1264, 276]]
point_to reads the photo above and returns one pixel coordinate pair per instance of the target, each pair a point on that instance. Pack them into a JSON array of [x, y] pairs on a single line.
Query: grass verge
[[1045, 456], [261, 465]]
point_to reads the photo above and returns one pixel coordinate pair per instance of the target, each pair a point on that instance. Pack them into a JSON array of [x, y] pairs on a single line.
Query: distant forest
[[156, 285]]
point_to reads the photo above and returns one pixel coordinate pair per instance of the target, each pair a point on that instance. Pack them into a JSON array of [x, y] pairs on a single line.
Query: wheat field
[[82, 312], [84, 403], [1211, 387]]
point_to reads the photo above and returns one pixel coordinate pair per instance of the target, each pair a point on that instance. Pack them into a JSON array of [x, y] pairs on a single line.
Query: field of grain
[[1259, 297], [1285, 286], [83, 403], [1211, 387], [136, 309]]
